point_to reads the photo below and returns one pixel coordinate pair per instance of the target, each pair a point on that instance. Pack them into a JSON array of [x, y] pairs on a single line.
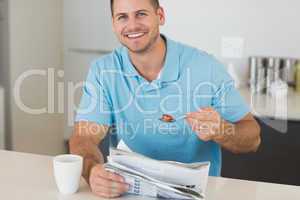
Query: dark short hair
[[155, 4]]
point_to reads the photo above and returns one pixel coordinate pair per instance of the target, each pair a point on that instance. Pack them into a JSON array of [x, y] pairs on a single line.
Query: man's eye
[[141, 14], [121, 17]]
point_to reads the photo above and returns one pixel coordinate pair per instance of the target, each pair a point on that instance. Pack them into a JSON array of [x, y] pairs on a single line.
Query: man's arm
[[84, 141], [245, 135], [240, 137]]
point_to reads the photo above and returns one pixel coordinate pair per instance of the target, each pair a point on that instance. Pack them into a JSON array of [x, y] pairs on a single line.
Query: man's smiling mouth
[[135, 35]]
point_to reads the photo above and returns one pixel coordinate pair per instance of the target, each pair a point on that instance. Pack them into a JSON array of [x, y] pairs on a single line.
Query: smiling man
[[148, 76]]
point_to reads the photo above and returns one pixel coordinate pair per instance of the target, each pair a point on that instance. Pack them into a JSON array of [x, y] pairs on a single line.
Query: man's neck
[[150, 63]]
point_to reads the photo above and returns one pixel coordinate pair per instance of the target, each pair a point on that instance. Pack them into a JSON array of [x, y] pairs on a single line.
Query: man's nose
[[132, 24]]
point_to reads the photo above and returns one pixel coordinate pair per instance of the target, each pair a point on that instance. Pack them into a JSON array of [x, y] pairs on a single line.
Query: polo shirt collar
[[128, 67], [170, 70]]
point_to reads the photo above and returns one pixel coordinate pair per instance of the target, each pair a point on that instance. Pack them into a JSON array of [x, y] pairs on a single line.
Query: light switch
[[232, 47]]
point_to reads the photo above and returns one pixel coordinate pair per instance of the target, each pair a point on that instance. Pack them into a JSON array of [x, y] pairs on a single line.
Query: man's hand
[[240, 137], [206, 123], [106, 184]]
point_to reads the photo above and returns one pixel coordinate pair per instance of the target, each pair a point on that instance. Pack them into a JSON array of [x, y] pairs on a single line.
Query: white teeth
[[136, 35]]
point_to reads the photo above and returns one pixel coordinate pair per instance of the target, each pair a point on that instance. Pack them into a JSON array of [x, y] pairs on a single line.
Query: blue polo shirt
[[115, 94]]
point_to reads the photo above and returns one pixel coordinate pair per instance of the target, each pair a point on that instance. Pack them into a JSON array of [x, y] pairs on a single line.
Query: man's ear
[[161, 15]]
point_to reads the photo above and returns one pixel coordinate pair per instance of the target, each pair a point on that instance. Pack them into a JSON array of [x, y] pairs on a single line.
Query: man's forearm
[[89, 151], [85, 141], [242, 137]]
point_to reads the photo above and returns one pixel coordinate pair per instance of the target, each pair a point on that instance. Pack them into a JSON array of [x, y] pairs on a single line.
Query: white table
[[29, 176]]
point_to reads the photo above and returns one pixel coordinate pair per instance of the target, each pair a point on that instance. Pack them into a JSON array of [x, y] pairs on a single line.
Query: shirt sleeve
[[94, 104], [227, 99]]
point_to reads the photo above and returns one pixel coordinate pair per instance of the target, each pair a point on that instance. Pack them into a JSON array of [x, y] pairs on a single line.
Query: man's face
[[136, 23]]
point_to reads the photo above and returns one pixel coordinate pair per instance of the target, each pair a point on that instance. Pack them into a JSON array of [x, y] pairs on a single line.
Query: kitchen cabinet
[[277, 159]]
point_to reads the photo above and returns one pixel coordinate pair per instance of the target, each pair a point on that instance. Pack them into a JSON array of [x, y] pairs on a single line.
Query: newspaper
[[160, 179]]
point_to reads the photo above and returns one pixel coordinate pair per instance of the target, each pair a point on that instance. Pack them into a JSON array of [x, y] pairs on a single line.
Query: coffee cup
[[67, 172]]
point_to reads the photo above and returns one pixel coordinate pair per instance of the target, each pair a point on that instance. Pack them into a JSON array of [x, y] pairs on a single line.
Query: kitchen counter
[[263, 105], [30, 176]]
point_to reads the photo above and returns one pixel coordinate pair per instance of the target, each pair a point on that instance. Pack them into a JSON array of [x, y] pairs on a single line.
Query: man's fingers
[[197, 124], [109, 175], [108, 191], [106, 195], [205, 130], [101, 172], [198, 115], [204, 122], [108, 188], [107, 184], [204, 114], [205, 137], [120, 187], [191, 121], [114, 177]]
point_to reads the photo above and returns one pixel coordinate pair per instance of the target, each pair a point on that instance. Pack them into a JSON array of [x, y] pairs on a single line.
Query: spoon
[[170, 119]]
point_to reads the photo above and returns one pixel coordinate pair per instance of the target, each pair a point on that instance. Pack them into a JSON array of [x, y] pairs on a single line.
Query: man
[[152, 75]]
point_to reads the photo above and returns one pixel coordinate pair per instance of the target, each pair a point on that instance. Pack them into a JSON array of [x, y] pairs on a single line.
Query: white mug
[[67, 172]]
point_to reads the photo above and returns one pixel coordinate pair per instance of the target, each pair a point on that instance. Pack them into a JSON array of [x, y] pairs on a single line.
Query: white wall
[[269, 27], [35, 43]]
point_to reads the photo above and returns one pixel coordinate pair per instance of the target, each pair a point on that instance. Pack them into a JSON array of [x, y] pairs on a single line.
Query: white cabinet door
[[87, 25]]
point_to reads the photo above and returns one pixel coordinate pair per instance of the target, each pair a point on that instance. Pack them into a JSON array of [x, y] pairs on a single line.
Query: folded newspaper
[[160, 179]]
